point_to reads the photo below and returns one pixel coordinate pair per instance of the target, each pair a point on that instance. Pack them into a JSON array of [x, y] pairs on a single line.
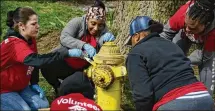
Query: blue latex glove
[[75, 52], [38, 89], [107, 37], [90, 50]]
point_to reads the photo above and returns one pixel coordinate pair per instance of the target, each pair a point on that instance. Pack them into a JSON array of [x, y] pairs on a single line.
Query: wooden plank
[[44, 109]]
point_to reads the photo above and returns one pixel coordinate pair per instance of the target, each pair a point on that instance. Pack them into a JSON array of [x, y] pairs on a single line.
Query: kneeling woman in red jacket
[[20, 63]]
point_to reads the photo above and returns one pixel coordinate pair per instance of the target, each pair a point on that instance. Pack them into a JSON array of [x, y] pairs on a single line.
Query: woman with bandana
[[194, 23], [86, 34]]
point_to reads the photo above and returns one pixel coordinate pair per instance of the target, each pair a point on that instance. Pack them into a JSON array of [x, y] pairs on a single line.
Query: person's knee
[[76, 83], [39, 103], [44, 103]]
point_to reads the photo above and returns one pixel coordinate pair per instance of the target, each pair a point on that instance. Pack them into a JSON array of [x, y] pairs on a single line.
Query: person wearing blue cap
[[159, 73]]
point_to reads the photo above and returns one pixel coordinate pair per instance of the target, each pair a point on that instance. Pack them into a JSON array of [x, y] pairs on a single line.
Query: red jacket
[[15, 76], [176, 23]]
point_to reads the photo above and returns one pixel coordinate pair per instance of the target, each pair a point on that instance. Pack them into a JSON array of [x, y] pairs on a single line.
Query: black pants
[[74, 81]]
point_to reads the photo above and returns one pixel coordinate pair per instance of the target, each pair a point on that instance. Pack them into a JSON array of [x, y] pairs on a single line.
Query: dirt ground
[[48, 42]]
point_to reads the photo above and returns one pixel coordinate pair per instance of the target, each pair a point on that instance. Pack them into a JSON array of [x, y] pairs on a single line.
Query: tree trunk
[[127, 10]]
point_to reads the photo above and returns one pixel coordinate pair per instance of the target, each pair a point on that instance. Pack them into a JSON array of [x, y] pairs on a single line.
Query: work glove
[[75, 52], [108, 37], [90, 50], [38, 89]]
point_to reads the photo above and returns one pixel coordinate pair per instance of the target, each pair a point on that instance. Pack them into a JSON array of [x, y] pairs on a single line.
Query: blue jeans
[[26, 99]]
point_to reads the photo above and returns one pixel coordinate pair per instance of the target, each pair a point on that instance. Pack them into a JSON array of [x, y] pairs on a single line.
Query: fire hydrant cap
[[109, 54]]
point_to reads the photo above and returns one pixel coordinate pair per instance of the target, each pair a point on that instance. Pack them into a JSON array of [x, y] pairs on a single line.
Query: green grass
[[52, 15]]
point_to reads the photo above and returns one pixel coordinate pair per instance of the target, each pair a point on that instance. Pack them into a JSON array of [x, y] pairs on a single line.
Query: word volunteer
[[71, 101]]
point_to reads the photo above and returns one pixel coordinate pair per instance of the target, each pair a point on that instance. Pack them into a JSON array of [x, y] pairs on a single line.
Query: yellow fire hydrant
[[107, 74]]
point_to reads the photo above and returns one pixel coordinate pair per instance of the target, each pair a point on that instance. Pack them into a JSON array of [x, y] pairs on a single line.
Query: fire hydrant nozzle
[[103, 76]]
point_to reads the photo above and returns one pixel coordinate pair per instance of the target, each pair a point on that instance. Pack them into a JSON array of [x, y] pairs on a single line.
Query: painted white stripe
[[199, 92], [195, 96]]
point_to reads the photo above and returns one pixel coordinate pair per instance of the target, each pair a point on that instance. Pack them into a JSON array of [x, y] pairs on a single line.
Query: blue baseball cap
[[140, 23]]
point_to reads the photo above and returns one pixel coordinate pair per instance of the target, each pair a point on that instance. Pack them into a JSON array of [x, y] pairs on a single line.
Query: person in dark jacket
[[194, 23], [86, 33], [160, 75], [20, 62]]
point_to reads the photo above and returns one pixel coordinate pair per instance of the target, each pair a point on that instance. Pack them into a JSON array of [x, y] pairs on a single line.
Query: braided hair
[[202, 10]]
